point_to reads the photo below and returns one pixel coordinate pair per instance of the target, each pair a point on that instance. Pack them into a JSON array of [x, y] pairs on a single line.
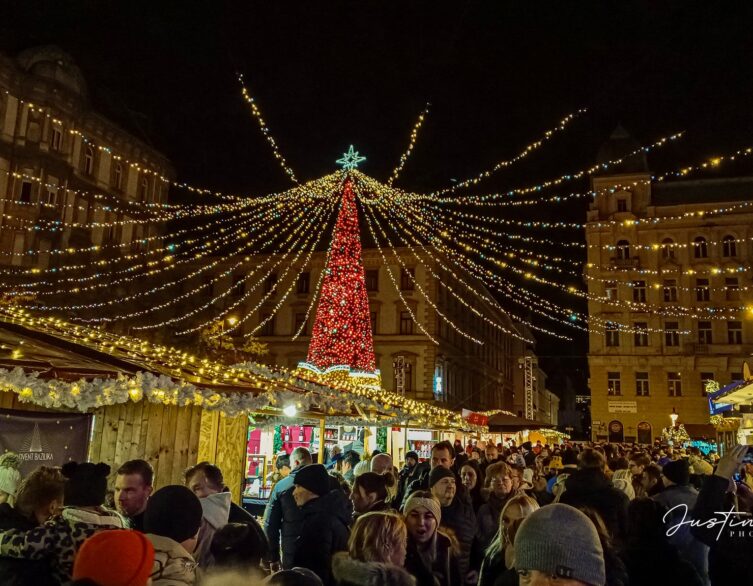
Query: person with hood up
[[590, 487], [432, 556], [376, 553], [171, 522], [83, 515], [679, 498], [39, 497], [10, 477], [412, 471], [326, 516], [282, 517]]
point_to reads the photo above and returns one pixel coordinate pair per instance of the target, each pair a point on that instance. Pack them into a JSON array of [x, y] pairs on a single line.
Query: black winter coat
[[461, 520], [20, 572], [324, 532], [591, 488], [730, 559], [282, 521], [443, 572]]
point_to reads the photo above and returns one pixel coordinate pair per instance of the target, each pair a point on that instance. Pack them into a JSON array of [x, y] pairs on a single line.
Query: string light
[[411, 144], [524, 153], [265, 130]]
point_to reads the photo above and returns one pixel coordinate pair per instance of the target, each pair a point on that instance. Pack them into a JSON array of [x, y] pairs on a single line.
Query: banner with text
[[44, 439]]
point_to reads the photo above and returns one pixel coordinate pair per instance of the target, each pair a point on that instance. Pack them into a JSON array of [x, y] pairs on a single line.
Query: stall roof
[[735, 393], [700, 430], [49, 348], [505, 422]]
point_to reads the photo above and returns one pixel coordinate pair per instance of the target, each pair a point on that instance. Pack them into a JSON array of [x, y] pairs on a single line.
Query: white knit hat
[[10, 477]]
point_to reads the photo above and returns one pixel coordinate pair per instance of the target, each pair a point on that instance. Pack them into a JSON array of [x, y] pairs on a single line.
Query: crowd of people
[[487, 515]]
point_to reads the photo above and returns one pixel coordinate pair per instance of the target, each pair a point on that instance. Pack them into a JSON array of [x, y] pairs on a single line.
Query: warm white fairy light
[[412, 143]]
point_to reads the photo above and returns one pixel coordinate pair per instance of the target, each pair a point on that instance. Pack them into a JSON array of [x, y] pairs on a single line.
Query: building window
[[372, 280], [268, 329], [674, 384], [89, 160], [144, 189], [373, 317], [641, 384], [613, 384], [406, 323], [667, 248], [702, 291], [57, 138], [239, 285], [734, 332], [622, 205], [639, 291], [640, 336], [736, 377], [700, 247], [302, 284], [51, 196], [610, 290], [623, 250], [299, 321], [729, 246], [670, 290], [706, 377], [117, 176], [270, 284], [671, 333], [613, 335], [407, 277], [704, 332], [25, 192], [732, 289]]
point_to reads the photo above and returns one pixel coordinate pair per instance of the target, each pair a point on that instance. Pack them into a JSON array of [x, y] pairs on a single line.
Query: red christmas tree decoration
[[341, 341]]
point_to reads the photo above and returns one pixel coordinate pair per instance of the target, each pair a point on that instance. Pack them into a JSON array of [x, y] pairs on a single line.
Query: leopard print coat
[[58, 539]]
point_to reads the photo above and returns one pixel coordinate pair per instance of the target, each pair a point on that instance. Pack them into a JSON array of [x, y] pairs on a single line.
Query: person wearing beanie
[[457, 516], [115, 558], [282, 516], [430, 553], [10, 477], [559, 544], [679, 498], [410, 473], [58, 539], [171, 522], [327, 513]]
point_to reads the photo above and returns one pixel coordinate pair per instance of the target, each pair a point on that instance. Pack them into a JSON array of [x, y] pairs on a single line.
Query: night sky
[[328, 74]]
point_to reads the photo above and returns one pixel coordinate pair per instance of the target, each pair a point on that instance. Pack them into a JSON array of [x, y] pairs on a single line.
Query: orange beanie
[[115, 557]]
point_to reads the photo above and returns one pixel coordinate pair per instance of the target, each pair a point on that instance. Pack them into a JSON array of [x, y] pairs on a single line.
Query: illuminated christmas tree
[[341, 342]]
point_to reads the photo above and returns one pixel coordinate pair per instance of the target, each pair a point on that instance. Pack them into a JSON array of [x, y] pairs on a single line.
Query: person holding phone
[[718, 523]]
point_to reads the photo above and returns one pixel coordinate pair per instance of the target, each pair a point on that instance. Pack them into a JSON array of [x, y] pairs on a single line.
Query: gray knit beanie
[[560, 541]]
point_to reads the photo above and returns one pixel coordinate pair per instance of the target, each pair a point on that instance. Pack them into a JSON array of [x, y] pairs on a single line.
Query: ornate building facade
[[683, 288], [62, 162]]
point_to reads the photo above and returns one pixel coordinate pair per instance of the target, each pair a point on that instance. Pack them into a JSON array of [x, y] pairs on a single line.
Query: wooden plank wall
[[223, 442], [170, 438], [165, 436]]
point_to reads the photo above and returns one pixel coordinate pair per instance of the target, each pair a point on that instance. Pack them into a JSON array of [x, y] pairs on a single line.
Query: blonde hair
[[526, 505], [375, 535]]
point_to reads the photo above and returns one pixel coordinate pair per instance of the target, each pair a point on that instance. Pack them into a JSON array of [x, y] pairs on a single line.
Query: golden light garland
[[411, 144]]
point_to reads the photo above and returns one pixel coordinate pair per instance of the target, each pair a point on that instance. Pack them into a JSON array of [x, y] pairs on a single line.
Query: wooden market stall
[[171, 408]]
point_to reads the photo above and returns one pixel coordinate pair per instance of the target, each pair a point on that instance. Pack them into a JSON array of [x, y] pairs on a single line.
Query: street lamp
[[232, 321], [674, 416]]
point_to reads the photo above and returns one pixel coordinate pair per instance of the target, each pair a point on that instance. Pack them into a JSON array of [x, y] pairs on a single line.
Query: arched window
[[644, 433], [729, 246], [667, 248], [118, 176], [700, 247], [144, 190], [89, 160], [623, 250]]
